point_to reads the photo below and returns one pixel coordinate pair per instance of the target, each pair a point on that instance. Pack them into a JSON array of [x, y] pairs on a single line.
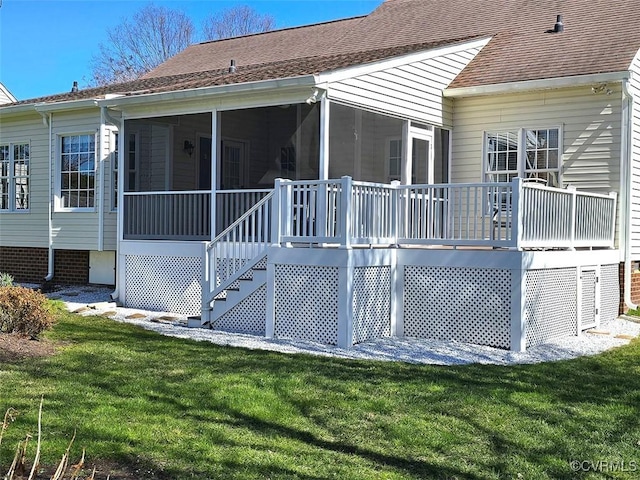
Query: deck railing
[[517, 214], [183, 215], [236, 250], [167, 215]]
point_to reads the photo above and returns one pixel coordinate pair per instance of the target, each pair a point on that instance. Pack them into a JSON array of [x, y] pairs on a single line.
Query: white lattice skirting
[[306, 303], [464, 304], [163, 283]]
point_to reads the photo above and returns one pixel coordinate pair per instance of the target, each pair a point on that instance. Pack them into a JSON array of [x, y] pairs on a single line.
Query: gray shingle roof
[[600, 36]]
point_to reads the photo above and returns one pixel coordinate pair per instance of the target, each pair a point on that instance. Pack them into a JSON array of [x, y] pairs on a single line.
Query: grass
[[182, 409]]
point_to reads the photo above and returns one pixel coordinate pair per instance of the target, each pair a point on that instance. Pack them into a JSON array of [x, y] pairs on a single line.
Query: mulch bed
[[14, 348]]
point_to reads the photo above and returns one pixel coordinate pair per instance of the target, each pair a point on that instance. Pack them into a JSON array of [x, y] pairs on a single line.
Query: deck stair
[[235, 263], [239, 290]]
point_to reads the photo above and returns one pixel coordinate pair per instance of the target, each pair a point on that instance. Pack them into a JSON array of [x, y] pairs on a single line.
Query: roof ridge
[[284, 29]]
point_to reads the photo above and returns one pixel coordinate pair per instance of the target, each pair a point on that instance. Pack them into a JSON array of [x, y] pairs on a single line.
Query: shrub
[[6, 280], [24, 311]]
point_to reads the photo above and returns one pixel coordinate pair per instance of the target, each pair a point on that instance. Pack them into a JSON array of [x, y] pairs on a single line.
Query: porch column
[[215, 135], [323, 167], [407, 154]]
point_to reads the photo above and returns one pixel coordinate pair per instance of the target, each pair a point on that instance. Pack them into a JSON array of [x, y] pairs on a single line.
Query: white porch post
[[205, 309], [407, 154], [346, 212], [215, 131], [323, 168], [345, 303], [518, 340], [574, 212], [120, 258], [517, 223]]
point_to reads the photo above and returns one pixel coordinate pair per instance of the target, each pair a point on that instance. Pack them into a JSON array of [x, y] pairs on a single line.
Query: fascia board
[[397, 61], [234, 88], [541, 84]]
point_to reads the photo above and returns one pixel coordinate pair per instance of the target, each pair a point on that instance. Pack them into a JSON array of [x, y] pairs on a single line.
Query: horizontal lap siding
[[28, 229], [79, 230], [590, 123], [413, 90], [635, 159], [71, 230]]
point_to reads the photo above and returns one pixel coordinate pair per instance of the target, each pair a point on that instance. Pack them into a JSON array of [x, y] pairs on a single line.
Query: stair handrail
[[231, 239]]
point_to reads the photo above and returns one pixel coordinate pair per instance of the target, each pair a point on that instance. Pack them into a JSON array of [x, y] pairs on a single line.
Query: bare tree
[[236, 21], [140, 44]]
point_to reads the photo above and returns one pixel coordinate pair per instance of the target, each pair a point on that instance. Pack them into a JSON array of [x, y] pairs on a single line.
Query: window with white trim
[[525, 153], [77, 171], [14, 177]]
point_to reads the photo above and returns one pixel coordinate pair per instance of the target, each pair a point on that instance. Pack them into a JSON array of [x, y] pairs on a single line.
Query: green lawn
[[182, 409]]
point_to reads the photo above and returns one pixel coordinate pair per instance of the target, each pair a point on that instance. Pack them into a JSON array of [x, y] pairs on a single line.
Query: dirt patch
[[14, 348]]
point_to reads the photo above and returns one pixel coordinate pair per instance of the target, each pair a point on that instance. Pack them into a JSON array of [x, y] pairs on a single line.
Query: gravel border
[[90, 300]]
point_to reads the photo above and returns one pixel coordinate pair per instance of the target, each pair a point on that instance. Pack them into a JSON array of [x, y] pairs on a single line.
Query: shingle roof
[[261, 48], [600, 36]]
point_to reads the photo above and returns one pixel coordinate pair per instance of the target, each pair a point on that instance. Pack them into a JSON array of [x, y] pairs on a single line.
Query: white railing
[[237, 249], [167, 215], [232, 204], [565, 218], [517, 214]]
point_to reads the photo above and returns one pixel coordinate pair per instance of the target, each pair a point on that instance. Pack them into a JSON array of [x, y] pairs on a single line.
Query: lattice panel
[[248, 316], [161, 283], [306, 303], [550, 304], [609, 292], [371, 303], [464, 304], [588, 299]]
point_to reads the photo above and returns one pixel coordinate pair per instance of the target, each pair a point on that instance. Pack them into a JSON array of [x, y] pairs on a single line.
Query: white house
[[463, 170]]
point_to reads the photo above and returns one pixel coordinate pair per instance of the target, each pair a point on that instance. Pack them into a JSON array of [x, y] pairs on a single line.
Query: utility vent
[[74, 89], [232, 67], [559, 26]]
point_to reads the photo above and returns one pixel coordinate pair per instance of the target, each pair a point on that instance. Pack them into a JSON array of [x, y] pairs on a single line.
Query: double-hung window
[[525, 153], [77, 171], [14, 177]]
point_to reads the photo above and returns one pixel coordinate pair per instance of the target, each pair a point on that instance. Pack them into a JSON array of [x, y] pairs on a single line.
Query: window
[[526, 153], [77, 171], [14, 177]]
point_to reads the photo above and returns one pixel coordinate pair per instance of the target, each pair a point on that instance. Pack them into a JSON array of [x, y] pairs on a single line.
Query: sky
[[46, 45]]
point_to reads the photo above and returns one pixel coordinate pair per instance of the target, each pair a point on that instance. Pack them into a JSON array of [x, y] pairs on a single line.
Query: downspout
[[100, 199], [627, 111], [47, 120], [106, 117]]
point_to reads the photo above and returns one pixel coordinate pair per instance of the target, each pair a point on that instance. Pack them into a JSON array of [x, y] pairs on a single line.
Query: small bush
[[6, 280], [24, 311]]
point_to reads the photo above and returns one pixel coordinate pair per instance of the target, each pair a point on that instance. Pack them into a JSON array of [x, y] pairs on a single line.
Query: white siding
[[71, 230], [590, 124], [635, 158], [28, 229], [590, 127], [413, 90]]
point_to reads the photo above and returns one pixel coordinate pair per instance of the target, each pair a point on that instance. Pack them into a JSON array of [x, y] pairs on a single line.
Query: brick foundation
[[635, 286], [71, 266], [26, 264]]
